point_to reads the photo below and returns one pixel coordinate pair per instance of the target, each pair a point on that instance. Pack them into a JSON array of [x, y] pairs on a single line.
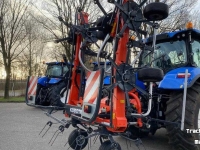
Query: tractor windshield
[[196, 52], [54, 70], [166, 56]]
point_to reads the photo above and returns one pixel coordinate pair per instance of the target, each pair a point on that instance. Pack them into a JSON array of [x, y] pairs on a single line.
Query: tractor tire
[[42, 96], [107, 145], [156, 11], [54, 94], [181, 140], [72, 139], [150, 75], [37, 99]]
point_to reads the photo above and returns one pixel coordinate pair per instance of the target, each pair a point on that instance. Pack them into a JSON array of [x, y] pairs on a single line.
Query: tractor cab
[[173, 50], [56, 69]]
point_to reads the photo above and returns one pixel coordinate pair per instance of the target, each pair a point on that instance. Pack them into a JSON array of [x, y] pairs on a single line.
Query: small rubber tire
[[156, 11], [107, 145], [181, 140], [150, 74], [73, 136], [54, 94]]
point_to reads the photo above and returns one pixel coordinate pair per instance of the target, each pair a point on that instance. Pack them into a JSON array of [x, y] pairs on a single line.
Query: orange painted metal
[[83, 17], [74, 98], [119, 119], [137, 104], [74, 91]]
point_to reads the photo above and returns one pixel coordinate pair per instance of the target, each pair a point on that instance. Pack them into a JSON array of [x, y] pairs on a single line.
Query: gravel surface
[[20, 126]]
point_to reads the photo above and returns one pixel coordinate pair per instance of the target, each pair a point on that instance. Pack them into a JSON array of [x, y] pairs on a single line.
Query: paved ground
[[21, 124]]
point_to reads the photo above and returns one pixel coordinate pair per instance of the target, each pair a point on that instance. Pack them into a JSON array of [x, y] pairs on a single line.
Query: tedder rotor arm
[[61, 40], [74, 98], [100, 6]]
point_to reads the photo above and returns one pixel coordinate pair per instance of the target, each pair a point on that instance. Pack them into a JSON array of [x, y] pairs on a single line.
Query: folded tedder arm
[[108, 107]]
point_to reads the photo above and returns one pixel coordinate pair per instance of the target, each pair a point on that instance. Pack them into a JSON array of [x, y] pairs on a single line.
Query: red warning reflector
[[182, 75], [87, 108]]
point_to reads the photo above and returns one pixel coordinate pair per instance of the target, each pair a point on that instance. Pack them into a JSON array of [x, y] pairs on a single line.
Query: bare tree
[[66, 9], [12, 18], [179, 14], [195, 19], [31, 37], [34, 53]]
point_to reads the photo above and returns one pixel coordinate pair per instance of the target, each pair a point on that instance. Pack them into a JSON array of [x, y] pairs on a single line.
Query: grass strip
[[17, 99]]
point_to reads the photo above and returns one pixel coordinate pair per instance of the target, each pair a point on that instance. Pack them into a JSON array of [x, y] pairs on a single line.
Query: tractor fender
[[54, 80], [172, 81], [42, 81]]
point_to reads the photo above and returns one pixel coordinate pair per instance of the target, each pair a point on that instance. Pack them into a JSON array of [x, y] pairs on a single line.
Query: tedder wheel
[[77, 139], [156, 11], [54, 94], [181, 140], [107, 145], [150, 74]]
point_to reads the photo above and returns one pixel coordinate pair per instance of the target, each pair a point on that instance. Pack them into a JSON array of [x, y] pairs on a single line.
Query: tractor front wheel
[[181, 140], [55, 94], [42, 96]]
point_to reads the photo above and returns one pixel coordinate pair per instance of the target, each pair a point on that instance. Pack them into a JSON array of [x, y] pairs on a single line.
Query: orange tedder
[[113, 108]]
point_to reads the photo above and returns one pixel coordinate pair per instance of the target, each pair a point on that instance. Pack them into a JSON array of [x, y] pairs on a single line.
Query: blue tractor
[[51, 88], [176, 98]]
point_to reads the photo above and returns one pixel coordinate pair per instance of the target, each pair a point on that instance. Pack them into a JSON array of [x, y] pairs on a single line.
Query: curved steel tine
[[53, 136], [48, 123]]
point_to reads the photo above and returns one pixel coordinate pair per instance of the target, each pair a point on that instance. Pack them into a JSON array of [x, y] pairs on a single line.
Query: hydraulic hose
[[101, 48], [81, 62]]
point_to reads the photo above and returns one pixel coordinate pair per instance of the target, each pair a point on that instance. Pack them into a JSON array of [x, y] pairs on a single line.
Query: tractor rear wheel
[[54, 94], [181, 140]]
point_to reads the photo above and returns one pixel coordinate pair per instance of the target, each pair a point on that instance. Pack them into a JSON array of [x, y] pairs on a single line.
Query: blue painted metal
[[171, 81], [107, 80], [172, 34], [43, 81], [54, 80], [58, 63]]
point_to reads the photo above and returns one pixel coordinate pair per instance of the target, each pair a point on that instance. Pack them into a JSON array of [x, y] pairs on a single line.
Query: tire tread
[[178, 139]]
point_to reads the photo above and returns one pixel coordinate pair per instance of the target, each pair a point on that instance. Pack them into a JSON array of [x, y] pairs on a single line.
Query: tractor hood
[[174, 79]]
